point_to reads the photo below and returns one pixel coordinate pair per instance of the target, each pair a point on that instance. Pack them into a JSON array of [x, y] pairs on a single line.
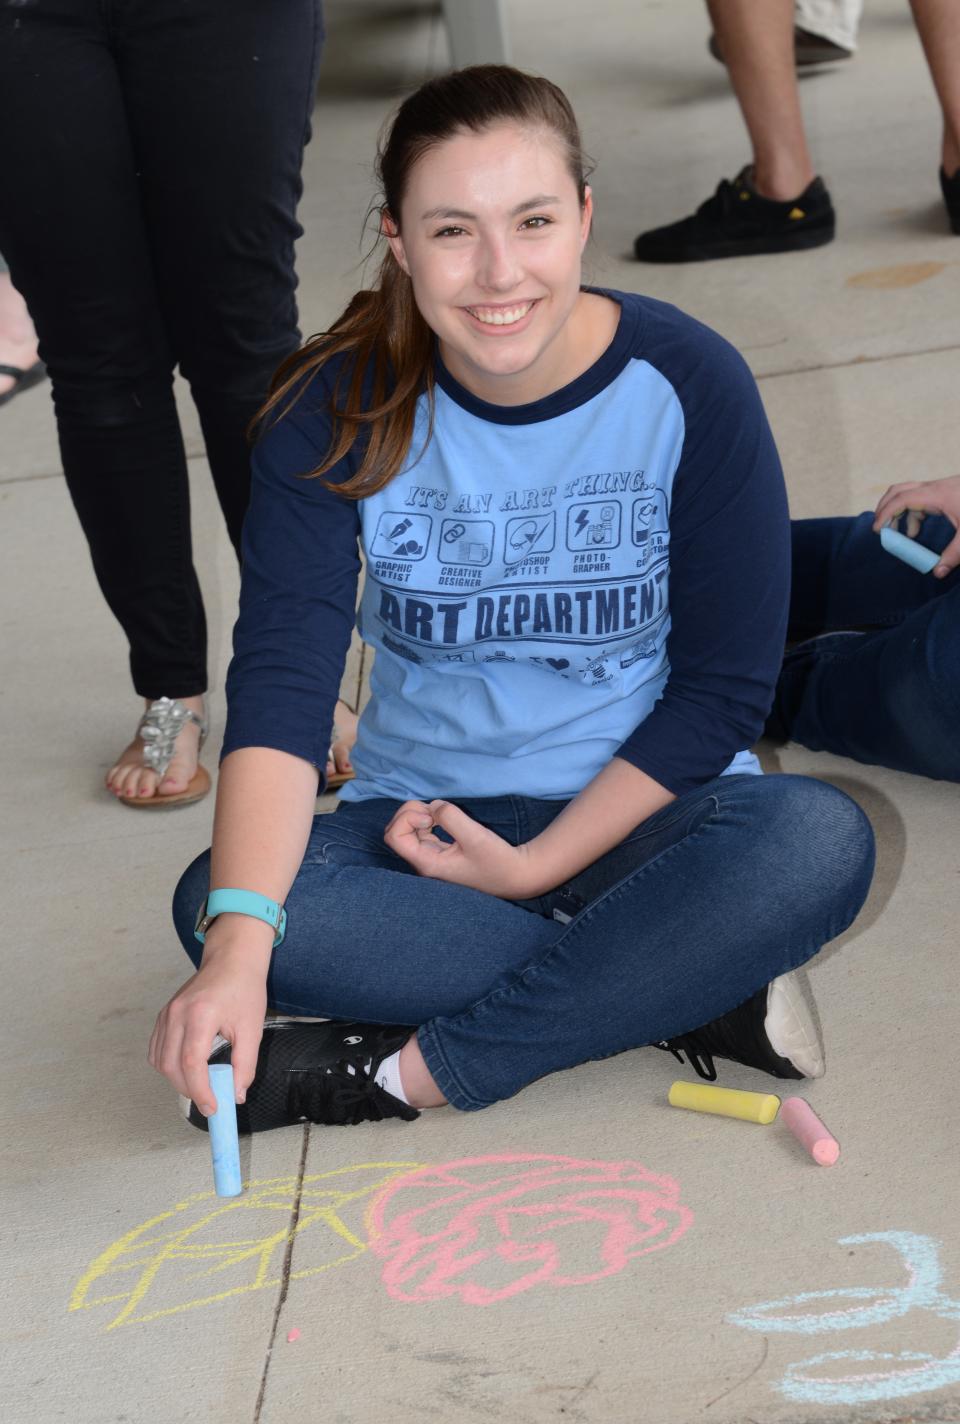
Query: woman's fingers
[[949, 559], [915, 518], [156, 1040], [243, 1056], [405, 829], [918, 499], [895, 500], [463, 828], [190, 1074], [411, 834], [402, 817]]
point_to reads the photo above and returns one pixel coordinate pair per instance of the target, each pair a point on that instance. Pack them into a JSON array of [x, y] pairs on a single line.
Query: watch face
[[200, 926]]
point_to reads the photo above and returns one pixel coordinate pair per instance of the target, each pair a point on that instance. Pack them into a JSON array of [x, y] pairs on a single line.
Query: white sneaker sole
[[792, 1024]]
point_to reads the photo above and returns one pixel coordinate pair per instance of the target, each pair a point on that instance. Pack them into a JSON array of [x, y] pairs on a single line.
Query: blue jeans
[[701, 906], [888, 695]]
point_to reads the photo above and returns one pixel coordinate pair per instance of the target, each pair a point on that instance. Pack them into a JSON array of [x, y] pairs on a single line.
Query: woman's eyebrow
[[541, 200]]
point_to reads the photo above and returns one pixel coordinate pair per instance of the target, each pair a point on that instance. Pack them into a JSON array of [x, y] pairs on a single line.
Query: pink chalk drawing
[[488, 1228]]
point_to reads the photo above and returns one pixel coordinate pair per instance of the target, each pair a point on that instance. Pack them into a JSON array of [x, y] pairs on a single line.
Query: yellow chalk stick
[[728, 1102]]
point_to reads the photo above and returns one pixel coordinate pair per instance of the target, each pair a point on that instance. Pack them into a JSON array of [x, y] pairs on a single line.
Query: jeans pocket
[[677, 811], [338, 844]]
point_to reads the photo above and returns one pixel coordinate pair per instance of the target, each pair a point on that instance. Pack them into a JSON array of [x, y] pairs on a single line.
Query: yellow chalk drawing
[[213, 1240]]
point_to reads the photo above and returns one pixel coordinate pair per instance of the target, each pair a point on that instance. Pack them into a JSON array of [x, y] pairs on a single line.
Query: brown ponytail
[[381, 330]]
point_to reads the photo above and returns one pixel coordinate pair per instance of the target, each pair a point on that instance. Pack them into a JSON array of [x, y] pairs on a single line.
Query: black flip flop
[[23, 379]]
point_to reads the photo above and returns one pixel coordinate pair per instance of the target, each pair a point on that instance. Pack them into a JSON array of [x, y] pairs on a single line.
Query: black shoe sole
[[742, 247]]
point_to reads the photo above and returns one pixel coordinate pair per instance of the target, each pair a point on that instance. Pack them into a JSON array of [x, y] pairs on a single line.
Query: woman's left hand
[[474, 857]]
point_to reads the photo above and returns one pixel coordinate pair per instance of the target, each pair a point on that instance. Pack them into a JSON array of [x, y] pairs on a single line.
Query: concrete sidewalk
[[651, 1265]]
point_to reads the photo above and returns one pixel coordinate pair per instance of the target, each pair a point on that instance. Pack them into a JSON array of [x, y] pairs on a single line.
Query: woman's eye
[[448, 232], [536, 222]]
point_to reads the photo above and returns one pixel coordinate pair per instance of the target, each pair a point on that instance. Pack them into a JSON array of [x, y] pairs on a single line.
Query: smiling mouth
[[501, 316]]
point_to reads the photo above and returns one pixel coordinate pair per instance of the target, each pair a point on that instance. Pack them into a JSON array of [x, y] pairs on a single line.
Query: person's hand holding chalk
[[917, 498], [227, 995]]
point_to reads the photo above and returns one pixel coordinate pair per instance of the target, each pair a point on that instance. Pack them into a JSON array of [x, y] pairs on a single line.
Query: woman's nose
[[498, 269]]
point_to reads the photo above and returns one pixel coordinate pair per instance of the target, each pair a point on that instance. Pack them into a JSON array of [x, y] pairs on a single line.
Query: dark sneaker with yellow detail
[[315, 1071], [950, 188], [775, 1031], [738, 222]]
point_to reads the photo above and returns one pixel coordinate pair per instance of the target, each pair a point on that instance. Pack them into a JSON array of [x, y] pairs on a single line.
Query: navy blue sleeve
[[297, 594], [729, 569]]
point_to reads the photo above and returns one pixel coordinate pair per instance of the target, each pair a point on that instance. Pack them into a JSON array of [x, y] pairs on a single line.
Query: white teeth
[[504, 316]]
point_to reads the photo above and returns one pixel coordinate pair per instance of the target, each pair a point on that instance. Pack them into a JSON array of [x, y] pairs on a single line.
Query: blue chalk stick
[[224, 1142], [918, 556]]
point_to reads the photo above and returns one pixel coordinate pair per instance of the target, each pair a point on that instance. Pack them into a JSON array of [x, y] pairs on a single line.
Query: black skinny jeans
[[151, 174]]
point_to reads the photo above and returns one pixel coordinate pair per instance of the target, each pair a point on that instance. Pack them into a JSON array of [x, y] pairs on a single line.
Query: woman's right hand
[[925, 497], [227, 995]]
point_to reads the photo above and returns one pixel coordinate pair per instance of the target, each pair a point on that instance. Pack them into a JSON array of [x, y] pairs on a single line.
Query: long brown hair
[[381, 330]]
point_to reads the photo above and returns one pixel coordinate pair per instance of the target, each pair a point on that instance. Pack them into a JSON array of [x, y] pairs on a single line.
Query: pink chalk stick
[[292, 1335], [810, 1131]]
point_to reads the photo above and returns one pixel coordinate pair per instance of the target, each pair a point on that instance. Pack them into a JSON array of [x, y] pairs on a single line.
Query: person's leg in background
[[776, 204], [71, 226], [824, 31], [759, 56], [20, 364], [877, 675], [938, 22], [219, 96]]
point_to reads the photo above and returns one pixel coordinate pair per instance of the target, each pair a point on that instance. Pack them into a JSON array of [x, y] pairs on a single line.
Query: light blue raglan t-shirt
[[603, 572]]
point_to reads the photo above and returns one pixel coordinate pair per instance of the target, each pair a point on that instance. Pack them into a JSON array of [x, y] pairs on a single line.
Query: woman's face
[[491, 233]]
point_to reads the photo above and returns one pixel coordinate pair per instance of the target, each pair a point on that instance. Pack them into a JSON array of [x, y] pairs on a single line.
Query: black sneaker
[[775, 1031], [951, 196], [808, 49], [315, 1072], [738, 222]]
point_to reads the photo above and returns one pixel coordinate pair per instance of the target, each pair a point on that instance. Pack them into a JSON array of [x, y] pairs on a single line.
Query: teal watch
[[241, 902]]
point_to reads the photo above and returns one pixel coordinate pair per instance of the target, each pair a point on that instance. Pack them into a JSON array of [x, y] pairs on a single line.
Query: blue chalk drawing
[[913, 1373]]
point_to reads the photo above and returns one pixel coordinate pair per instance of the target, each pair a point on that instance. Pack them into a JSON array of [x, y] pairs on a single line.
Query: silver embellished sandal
[[159, 728]]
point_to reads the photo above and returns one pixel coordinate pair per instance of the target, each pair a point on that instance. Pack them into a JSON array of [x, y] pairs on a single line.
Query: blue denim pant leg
[[889, 696], [705, 903], [710, 899], [368, 938]]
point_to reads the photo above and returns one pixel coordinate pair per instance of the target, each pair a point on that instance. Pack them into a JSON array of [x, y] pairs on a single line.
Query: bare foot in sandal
[[18, 340], [132, 779], [339, 765]]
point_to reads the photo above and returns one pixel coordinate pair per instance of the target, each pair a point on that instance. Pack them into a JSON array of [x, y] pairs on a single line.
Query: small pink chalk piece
[[292, 1335], [810, 1131]]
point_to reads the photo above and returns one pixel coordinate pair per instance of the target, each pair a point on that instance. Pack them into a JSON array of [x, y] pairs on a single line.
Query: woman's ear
[[392, 233], [586, 216]]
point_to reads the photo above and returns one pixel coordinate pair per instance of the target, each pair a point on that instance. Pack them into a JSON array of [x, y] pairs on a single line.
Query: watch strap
[[241, 902]]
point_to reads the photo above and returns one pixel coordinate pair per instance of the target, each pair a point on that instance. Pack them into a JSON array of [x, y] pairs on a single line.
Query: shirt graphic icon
[[649, 522], [466, 541], [529, 534], [401, 536], [593, 524]]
